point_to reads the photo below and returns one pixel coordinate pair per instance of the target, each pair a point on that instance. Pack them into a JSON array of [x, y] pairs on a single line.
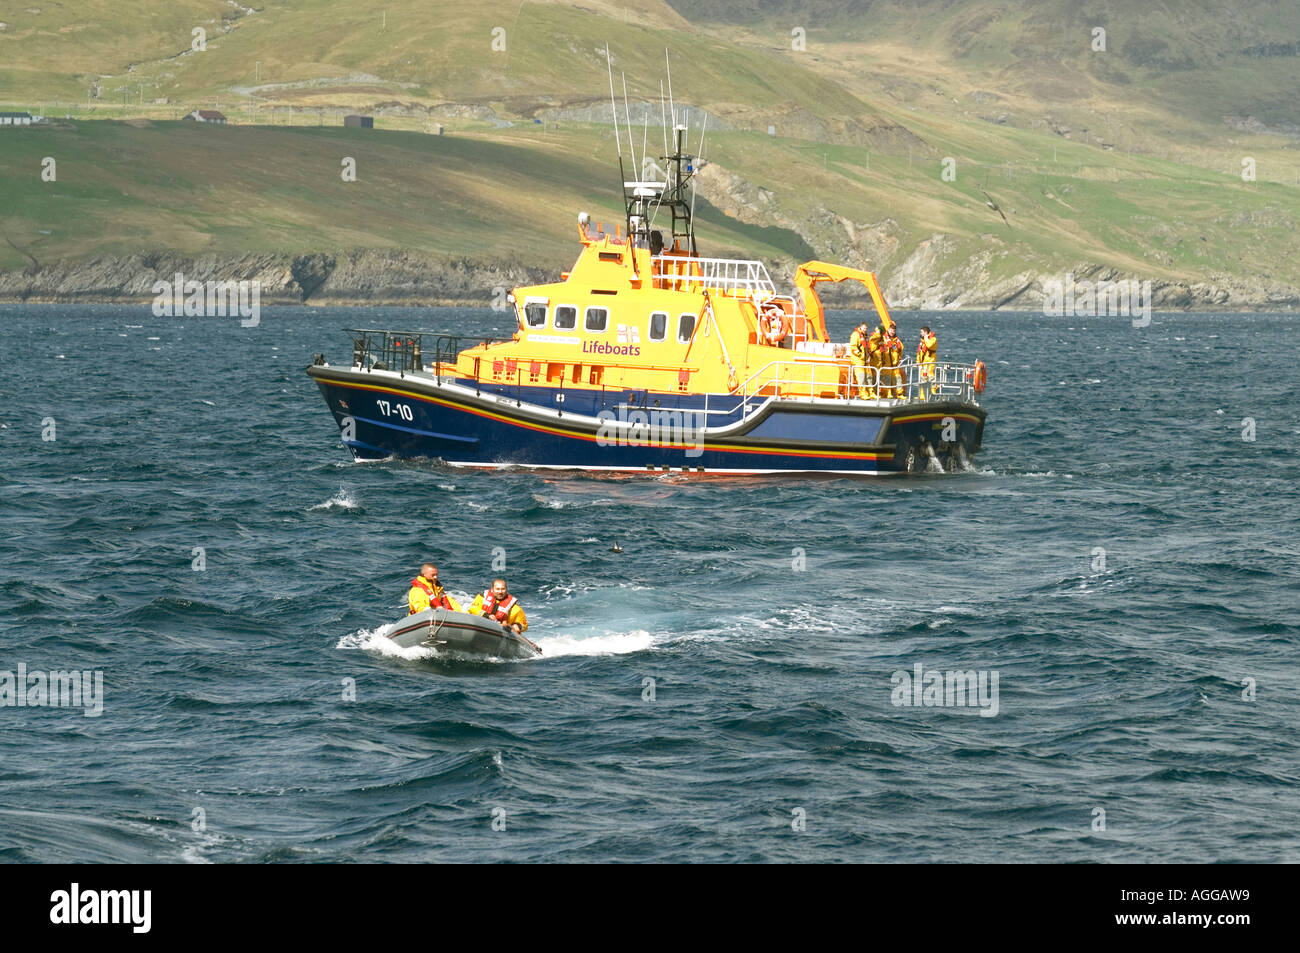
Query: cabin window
[[597, 319], [566, 317], [535, 314], [658, 326], [685, 327]]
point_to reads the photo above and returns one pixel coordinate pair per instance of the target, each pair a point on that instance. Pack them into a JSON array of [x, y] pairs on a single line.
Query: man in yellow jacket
[[425, 592], [876, 356], [860, 358], [926, 354], [497, 603], [891, 357]]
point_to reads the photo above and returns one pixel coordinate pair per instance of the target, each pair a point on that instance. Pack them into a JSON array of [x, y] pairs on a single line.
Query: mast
[[642, 199]]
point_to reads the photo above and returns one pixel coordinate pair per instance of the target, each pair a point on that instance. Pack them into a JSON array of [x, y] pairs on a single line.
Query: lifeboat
[[649, 357]]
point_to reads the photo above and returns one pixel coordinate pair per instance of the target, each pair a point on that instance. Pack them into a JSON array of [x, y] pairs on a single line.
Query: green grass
[[1166, 201], [512, 194]]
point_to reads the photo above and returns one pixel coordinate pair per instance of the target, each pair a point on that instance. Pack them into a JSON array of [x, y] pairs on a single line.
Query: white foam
[[570, 504], [342, 500], [615, 643], [377, 641]]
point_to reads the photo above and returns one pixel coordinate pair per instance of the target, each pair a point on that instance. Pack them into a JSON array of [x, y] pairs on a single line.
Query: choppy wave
[[736, 661]]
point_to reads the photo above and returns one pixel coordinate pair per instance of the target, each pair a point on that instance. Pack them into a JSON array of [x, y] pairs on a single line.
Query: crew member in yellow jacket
[[497, 603], [891, 353], [858, 350], [876, 357], [926, 354], [426, 592]]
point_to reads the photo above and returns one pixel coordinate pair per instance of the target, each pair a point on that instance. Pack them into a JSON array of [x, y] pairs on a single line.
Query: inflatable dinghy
[[445, 630]]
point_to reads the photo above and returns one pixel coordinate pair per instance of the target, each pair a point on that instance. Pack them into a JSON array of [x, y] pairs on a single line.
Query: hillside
[[1124, 162]]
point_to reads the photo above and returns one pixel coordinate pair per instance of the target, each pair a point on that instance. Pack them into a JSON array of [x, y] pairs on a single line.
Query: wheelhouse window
[[685, 327], [566, 317], [535, 314], [658, 326], [597, 319]]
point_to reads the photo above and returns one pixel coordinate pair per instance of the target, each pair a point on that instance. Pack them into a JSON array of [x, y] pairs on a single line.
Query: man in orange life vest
[[497, 603], [426, 592]]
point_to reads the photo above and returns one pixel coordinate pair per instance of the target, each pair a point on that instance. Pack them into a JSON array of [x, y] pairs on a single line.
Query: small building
[[207, 115], [363, 122], [15, 119]]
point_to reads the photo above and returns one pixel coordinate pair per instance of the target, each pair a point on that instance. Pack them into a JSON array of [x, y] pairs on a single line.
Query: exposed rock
[[369, 276], [939, 273]]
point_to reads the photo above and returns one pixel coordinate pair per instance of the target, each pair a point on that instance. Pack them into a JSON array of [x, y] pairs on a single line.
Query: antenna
[[694, 189], [628, 119], [609, 64], [702, 128], [663, 112], [645, 134], [670, 86]]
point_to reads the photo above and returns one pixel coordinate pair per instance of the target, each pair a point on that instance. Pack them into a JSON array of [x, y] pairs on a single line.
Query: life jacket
[[925, 351], [497, 610], [437, 597]]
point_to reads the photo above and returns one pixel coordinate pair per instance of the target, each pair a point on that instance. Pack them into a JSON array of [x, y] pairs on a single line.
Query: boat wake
[[614, 643]]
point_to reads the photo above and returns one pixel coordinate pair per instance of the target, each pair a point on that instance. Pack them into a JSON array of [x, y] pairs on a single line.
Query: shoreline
[[376, 277]]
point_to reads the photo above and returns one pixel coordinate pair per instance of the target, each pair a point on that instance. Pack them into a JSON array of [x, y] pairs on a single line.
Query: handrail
[[947, 380], [403, 351], [731, 277]]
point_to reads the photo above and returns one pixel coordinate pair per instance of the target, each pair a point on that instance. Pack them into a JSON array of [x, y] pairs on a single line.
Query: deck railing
[[732, 277], [908, 383], [408, 351]]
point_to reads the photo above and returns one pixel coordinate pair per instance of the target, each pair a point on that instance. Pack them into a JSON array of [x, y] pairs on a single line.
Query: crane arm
[[810, 273]]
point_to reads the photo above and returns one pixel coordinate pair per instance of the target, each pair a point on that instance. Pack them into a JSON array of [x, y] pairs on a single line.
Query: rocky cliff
[[922, 278]]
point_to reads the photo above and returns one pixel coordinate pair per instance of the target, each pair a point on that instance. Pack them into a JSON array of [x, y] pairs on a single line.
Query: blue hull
[[383, 414]]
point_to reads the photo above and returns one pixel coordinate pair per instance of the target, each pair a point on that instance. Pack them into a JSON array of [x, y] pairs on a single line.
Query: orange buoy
[[980, 377]]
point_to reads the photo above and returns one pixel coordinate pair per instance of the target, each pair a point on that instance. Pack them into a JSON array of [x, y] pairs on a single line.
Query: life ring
[[774, 326], [979, 378]]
